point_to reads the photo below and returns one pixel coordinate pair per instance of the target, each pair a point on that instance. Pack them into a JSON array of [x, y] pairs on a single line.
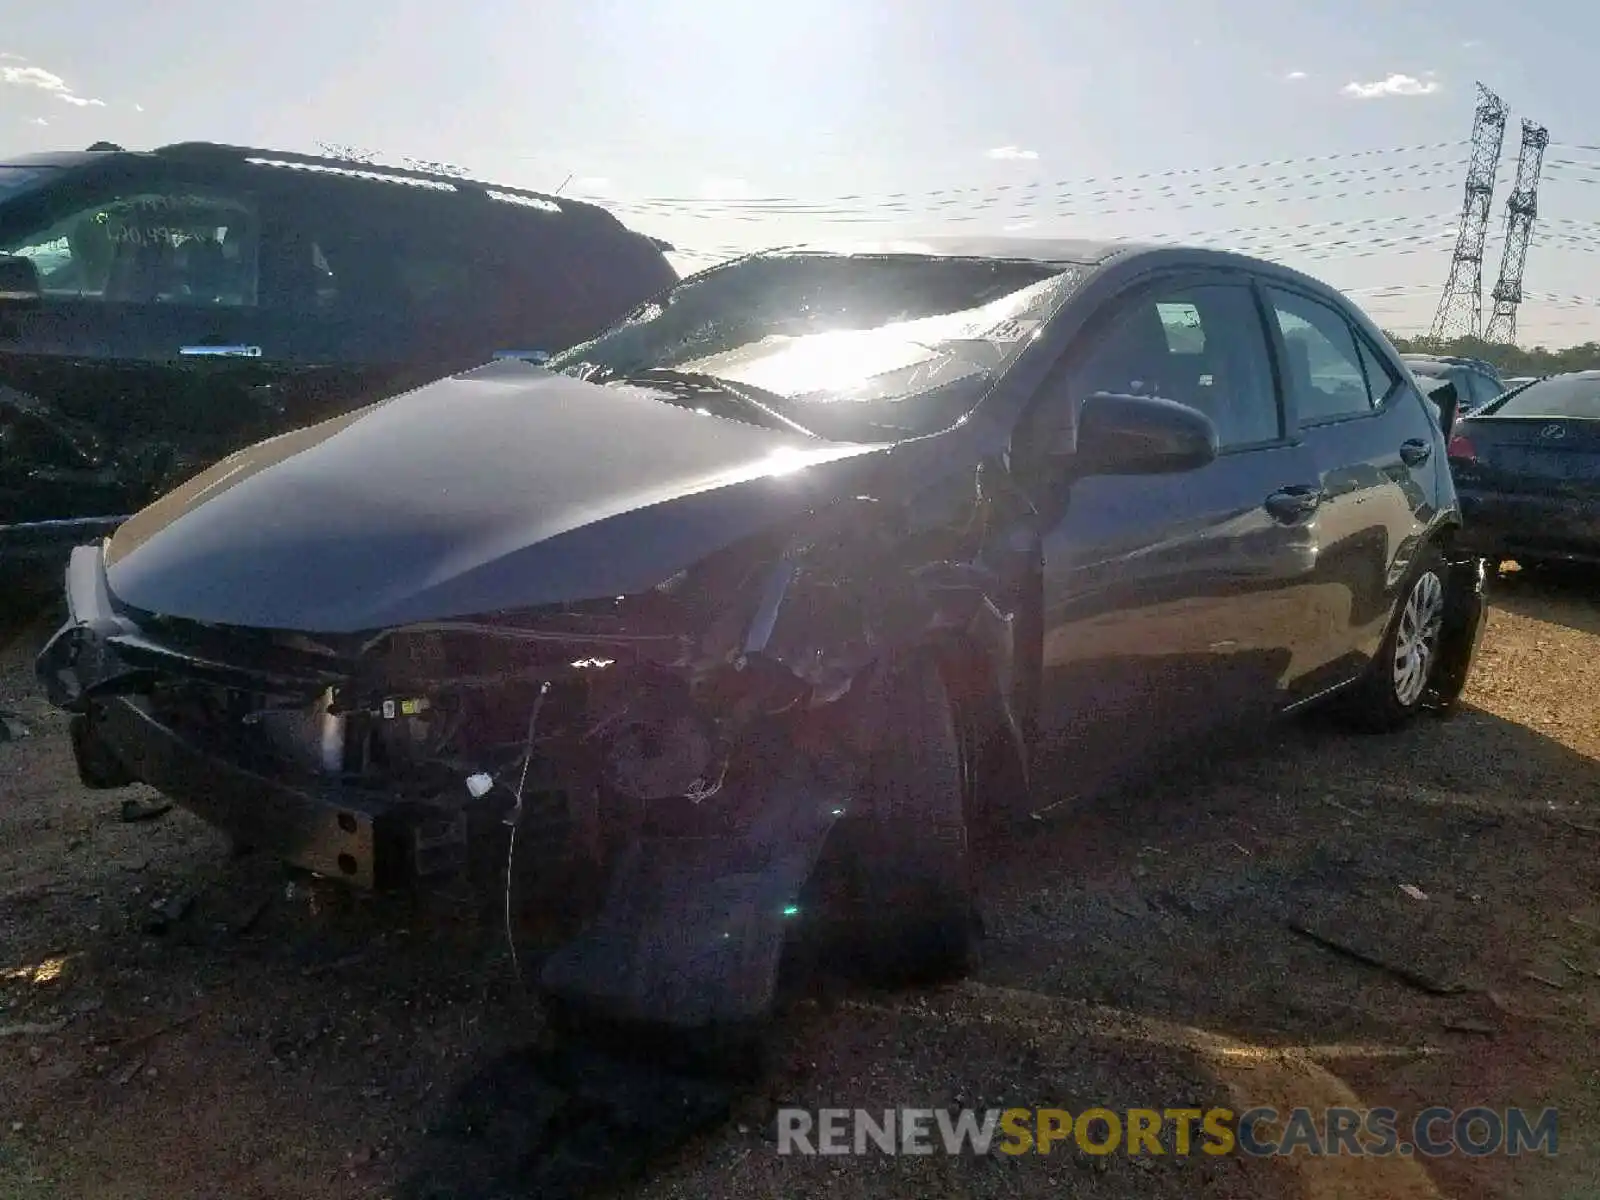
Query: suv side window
[[168, 245], [1482, 388], [1324, 365], [1202, 345], [381, 251]]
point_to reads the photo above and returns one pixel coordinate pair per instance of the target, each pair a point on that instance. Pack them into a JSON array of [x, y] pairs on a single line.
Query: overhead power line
[[1020, 196], [1114, 183]]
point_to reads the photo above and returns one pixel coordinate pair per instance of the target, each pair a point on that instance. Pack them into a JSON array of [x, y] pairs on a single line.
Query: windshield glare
[[1563, 396], [853, 347]]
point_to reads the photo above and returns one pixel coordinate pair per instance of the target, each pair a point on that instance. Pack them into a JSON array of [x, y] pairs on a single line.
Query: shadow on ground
[[1561, 595]]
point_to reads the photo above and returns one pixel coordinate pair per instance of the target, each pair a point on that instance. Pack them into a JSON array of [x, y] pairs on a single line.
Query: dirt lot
[[175, 1024]]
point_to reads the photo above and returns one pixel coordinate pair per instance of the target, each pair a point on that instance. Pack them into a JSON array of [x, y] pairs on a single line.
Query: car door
[[1373, 443], [340, 290], [1173, 603], [137, 362]]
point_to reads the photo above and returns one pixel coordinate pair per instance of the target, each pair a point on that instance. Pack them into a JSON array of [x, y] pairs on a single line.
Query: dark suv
[[1476, 382], [161, 309]]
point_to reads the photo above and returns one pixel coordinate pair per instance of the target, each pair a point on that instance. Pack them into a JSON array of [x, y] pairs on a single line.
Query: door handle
[[1295, 502], [1415, 452]]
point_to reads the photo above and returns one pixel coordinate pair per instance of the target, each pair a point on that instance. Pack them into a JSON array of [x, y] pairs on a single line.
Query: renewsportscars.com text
[[1257, 1132]]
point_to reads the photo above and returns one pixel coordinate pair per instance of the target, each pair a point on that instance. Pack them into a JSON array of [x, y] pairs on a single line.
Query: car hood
[[509, 487]]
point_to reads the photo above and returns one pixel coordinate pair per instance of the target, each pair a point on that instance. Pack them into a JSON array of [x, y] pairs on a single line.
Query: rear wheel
[[910, 914], [1396, 683]]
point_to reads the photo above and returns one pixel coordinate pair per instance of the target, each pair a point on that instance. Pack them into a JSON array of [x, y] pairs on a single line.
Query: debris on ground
[[167, 912], [33, 1028], [11, 727], [1343, 945], [134, 811]]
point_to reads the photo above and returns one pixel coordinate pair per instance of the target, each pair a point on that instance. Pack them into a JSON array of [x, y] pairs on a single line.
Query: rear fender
[[1466, 615]]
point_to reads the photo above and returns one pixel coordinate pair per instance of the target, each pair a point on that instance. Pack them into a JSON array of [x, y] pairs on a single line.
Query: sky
[[723, 125]]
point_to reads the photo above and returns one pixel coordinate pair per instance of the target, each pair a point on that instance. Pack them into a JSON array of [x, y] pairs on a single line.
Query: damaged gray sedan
[[823, 555]]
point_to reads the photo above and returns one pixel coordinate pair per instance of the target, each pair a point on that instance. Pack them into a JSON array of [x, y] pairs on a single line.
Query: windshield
[[1562, 396], [856, 348], [18, 179]]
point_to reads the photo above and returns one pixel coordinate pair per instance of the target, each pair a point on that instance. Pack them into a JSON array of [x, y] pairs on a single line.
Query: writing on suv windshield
[[852, 347]]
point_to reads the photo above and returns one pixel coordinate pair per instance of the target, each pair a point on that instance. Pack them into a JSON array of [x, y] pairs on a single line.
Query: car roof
[[1086, 252], [218, 152], [1065, 251], [53, 158]]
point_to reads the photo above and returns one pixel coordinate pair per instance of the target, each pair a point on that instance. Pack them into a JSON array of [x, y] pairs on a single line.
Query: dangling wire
[[514, 820]]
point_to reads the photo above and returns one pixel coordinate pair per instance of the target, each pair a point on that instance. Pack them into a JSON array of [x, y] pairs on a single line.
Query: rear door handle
[[1415, 452], [1295, 502]]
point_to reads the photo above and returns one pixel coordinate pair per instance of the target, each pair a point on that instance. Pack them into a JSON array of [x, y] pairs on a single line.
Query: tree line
[[1509, 360]]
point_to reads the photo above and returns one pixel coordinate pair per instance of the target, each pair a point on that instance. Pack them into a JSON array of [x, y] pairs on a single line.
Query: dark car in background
[[161, 309], [1476, 382], [1527, 469], [843, 556]]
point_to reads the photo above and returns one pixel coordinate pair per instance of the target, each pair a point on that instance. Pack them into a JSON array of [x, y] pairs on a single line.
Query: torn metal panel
[[693, 928]]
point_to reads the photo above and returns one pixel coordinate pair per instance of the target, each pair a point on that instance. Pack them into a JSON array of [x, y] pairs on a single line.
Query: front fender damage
[[693, 927], [691, 748]]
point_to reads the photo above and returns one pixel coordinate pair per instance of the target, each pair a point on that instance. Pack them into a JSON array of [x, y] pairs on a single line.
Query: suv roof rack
[[220, 150]]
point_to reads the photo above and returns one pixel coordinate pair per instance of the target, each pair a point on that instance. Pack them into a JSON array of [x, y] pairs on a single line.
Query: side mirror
[[19, 278], [1141, 435]]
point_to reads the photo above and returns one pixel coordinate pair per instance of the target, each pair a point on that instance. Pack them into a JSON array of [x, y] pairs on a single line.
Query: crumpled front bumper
[[94, 665], [692, 928]]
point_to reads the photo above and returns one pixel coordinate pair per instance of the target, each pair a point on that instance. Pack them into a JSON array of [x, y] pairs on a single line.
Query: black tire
[[1390, 694], [910, 917]]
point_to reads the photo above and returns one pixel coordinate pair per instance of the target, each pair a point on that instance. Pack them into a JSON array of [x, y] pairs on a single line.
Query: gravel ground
[[192, 1026]]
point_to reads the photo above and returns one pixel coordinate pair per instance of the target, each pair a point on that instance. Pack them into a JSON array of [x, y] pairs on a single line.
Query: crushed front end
[[692, 747]]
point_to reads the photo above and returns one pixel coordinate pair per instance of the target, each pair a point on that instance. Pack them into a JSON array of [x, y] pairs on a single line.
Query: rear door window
[[1325, 370], [1381, 378]]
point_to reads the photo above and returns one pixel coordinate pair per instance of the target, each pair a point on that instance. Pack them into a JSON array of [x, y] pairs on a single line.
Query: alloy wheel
[[1417, 638]]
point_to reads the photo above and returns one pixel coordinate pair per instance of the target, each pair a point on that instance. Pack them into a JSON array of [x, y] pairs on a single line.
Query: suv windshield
[[1562, 396], [849, 347]]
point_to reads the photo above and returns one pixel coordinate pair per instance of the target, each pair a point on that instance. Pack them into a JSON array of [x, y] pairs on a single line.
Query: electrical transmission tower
[[1461, 307], [1521, 209]]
